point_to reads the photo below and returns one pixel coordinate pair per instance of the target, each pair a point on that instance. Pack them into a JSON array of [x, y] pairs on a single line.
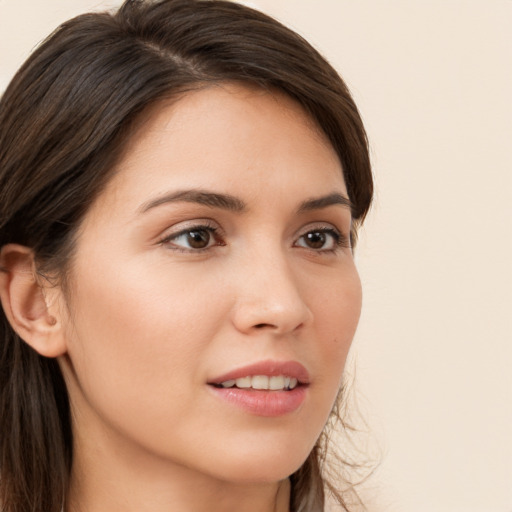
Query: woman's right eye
[[195, 238]]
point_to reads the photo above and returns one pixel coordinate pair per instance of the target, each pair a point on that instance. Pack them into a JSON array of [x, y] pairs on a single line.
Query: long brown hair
[[64, 121]]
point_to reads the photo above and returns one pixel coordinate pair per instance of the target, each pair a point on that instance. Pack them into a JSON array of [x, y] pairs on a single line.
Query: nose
[[269, 297]]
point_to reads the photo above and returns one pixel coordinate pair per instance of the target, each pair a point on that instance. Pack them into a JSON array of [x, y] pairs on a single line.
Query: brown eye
[[320, 240], [195, 238], [198, 238], [315, 239]]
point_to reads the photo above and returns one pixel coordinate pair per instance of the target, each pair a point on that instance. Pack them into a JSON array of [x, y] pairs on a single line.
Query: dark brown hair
[[64, 120]]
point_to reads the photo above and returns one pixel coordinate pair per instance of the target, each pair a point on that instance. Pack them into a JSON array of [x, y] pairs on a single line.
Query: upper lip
[[270, 368]]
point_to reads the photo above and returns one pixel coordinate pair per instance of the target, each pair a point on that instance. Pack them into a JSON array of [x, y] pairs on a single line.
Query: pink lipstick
[[266, 388]]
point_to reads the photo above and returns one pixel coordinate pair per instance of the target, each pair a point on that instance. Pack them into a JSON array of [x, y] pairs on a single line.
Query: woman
[[181, 184]]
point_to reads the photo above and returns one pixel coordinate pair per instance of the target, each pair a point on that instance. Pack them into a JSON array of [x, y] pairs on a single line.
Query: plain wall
[[433, 353]]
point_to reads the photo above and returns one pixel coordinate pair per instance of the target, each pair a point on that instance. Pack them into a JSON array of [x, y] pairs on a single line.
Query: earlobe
[[28, 303]]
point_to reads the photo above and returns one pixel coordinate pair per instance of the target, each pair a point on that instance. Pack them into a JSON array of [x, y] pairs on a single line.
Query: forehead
[[222, 106], [227, 135]]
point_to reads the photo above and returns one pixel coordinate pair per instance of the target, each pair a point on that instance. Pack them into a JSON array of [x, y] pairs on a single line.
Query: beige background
[[433, 80]]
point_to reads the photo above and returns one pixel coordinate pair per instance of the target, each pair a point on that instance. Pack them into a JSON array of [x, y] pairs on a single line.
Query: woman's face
[[218, 255]]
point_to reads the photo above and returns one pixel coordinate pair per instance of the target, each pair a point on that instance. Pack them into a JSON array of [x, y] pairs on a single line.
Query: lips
[[286, 369], [267, 388]]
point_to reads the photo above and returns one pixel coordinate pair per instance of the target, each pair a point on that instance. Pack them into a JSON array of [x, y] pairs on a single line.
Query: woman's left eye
[[325, 239]]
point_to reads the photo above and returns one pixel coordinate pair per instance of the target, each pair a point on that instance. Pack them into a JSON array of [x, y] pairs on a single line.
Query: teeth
[[274, 383], [244, 382], [260, 382]]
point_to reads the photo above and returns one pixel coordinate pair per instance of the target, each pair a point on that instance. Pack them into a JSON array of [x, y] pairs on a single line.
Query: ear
[[30, 303]]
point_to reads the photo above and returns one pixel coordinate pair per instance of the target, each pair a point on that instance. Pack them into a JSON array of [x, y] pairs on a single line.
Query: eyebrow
[[317, 203], [211, 199], [234, 204]]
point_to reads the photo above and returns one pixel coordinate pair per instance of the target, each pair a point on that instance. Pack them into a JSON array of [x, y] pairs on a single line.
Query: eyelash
[[211, 229], [339, 239]]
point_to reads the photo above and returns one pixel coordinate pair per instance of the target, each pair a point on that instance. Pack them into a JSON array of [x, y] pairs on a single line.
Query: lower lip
[[263, 402]]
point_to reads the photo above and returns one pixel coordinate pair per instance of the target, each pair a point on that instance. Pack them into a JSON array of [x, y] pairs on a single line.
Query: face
[[215, 265]]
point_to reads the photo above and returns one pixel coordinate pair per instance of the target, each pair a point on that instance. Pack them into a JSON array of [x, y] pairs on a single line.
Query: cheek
[[337, 311], [345, 311], [140, 310], [336, 302], [136, 342]]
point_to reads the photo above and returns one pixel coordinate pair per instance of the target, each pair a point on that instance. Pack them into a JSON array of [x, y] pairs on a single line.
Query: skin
[[148, 320]]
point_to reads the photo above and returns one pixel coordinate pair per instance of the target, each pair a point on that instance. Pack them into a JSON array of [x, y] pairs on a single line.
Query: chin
[[261, 468]]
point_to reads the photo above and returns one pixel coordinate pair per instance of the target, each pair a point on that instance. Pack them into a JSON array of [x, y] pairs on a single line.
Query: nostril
[[261, 326]]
